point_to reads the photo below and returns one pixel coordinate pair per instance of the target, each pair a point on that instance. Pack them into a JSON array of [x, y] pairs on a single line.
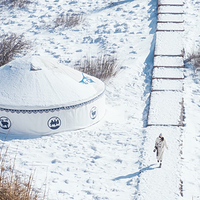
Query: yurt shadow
[[10, 137]]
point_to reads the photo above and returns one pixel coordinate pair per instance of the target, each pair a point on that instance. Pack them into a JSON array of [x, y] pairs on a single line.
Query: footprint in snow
[[55, 161], [118, 160]]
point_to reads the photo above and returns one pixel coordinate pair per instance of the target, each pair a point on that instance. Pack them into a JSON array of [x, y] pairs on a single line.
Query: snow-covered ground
[[113, 159], [191, 136]]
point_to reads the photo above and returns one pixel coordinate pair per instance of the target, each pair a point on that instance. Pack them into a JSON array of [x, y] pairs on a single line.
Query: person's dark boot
[[160, 163]]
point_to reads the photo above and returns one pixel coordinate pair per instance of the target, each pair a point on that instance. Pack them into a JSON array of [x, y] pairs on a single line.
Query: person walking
[[160, 145]]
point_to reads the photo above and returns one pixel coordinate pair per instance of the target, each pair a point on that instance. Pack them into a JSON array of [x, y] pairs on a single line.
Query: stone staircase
[[166, 100]]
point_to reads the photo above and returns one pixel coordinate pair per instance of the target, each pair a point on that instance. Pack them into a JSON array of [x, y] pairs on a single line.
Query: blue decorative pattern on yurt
[[52, 109], [86, 80]]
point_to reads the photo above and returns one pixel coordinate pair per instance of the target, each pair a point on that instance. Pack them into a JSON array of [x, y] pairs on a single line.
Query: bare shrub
[[195, 59], [12, 45], [68, 20], [12, 186], [15, 3], [103, 67]]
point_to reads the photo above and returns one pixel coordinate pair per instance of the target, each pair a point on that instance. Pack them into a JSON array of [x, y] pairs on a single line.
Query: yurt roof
[[43, 83]]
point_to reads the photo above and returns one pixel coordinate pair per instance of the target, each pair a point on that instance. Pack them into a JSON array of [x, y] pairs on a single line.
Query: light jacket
[[160, 146]]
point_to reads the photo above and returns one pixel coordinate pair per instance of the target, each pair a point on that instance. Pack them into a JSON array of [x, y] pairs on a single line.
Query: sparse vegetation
[[12, 185], [103, 67], [12, 45], [68, 20], [15, 3], [195, 59]]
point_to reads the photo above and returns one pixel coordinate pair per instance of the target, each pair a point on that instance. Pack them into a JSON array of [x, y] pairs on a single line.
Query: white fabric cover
[[161, 145], [40, 96]]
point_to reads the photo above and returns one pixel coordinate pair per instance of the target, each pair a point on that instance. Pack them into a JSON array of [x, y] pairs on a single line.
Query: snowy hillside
[[113, 159]]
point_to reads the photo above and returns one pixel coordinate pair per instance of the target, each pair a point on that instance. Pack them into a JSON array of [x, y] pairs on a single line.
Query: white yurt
[[40, 96]]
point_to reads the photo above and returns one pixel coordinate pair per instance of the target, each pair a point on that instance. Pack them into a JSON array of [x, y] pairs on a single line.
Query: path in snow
[[166, 102], [164, 183], [166, 107]]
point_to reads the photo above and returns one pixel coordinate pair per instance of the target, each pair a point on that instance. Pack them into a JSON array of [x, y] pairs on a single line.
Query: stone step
[[170, 2], [165, 18], [169, 44], [168, 73], [168, 61], [167, 85], [170, 10], [170, 26], [166, 109]]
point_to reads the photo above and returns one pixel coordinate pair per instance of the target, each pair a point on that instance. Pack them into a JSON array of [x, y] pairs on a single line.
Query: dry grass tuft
[[15, 3], [12, 186], [68, 20], [195, 59], [103, 67], [12, 45]]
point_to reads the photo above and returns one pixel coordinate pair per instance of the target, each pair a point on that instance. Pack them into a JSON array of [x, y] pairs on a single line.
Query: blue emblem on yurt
[[54, 123], [93, 112], [5, 123], [86, 80]]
